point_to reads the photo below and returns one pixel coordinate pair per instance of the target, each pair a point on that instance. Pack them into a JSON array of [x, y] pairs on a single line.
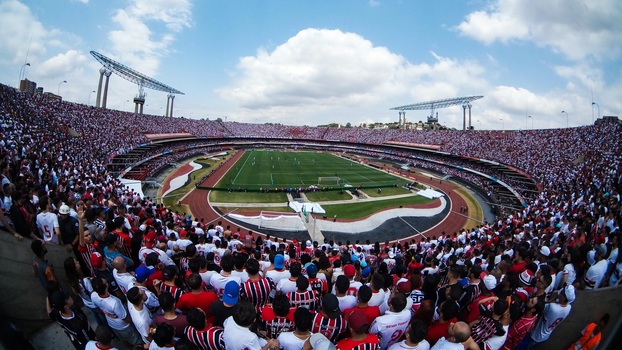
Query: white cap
[[490, 282], [64, 209], [319, 342], [546, 251]]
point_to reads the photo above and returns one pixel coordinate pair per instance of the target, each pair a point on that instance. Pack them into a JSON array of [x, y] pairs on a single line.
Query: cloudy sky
[[314, 62]]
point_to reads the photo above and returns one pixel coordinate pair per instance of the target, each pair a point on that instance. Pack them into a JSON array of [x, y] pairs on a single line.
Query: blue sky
[[315, 62]]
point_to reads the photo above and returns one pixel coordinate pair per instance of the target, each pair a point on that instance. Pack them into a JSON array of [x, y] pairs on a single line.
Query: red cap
[[404, 287], [183, 233], [97, 259], [349, 270], [150, 239]]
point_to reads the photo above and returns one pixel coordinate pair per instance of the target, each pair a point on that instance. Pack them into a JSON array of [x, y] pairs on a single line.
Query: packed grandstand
[[567, 181]]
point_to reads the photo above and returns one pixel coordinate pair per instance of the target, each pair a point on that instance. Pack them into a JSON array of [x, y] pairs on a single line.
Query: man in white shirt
[[219, 281], [391, 326], [457, 333], [237, 334], [553, 315], [47, 222], [595, 274], [279, 271], [123, 278], [141, 317]]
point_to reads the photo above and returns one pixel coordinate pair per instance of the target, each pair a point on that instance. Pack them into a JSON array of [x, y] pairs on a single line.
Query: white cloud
[[574, 28]]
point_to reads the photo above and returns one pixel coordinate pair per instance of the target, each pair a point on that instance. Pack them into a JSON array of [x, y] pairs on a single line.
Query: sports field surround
[[264, 169]]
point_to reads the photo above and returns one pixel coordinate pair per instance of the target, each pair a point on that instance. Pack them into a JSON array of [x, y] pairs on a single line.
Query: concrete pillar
[[107, 74], [172, 101], [99, 86], [470, 116], [464, 117], [168, 100], [135, 108], [141, 109]]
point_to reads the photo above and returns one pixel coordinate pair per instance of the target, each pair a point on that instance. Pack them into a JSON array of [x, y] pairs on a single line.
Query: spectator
[[296, 339], [237, 335], [329, 321], [554, 313], [170, 316], [203, 335], [415, 338], [359, 325], [71, 318]]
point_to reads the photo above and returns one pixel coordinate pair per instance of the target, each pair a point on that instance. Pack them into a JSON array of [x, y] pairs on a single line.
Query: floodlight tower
[[464, 101], [127, 73]]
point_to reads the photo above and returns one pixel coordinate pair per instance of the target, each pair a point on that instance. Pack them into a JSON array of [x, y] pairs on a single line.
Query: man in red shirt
[[447, 315], [363, 297], [360, 339], [198, 298]]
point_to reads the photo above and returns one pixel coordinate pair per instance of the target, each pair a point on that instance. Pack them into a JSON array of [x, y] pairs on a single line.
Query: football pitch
[[266, 169]]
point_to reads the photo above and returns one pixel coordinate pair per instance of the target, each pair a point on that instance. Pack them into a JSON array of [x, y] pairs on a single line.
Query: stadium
[[515, 171]]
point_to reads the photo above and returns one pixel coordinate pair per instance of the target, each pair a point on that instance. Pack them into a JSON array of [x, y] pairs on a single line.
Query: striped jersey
[[209, 338], [331, 328], [307, 299], [257, 291]]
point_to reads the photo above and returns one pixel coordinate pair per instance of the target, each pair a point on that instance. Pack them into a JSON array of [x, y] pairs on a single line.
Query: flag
[[304, 210]]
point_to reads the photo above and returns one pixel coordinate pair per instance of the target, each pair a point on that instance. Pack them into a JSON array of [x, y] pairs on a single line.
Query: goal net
[[281, 221], [328, 180]]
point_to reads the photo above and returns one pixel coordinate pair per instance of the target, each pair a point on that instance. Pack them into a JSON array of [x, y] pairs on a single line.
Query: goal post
[[328, 180], [283, 221]]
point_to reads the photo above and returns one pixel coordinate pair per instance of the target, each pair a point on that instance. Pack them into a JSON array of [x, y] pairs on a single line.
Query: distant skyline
[[319, 62]]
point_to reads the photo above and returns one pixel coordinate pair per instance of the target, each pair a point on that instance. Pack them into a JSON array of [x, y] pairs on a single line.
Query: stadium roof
[[129, 74], [438, 103]]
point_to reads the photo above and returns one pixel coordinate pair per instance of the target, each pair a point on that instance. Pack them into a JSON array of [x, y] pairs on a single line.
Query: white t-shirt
[[552, 316], [595, 274], [113, 309], [444, 344], [165, 259], [286, 285], [496, 341], [289, 341], [142, 320], [124, 280], [242, 274], [240, 338], [218, 282], [92, 345], [390, 327], [423, 345], [47, 222], [346, 302], [277, 275]]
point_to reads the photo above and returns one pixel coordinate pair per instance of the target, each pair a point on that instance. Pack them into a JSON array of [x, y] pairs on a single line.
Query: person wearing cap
[[363, 297], [47, 222], [102, 271], [279, 272], [320, 286], [237, 334], [391, 326], [197, 297], [318, 341], [414, 338], [358, 324], [225, 307], [555, 311], [329, 320], [68, 227], [487, 298], [296, 339], [150, 239], [141, 279], [202, 334]]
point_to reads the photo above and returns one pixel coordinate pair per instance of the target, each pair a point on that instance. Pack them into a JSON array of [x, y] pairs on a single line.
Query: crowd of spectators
[[520, 272]]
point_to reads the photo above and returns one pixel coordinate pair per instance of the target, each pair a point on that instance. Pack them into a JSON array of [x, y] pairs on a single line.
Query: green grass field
[[270, 169]]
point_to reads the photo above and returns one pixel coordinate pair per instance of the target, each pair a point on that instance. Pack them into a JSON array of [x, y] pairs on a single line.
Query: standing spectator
[[458, 333], [197, 297], [68, 227], [170, 283], [341, 287], [200, 333], [303, 296], [363, 296], [329, 321], [359, 338], [447, 315], [489, 323], [521, 327], [288, 285], [117, 317], [552, 316], [141, 317], [71, 318], [141, 275], [257, 288], [225, 307], [295, 339], [178, 321], [237, 334], [124, 279], [111, 250], [415, 338], [391, 326], [104, 335], [317, 284], [163, 338], [40, 267], [278, 317], [279, 271], [219, 281], [595, 274], [81, 286], [47, 222]]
